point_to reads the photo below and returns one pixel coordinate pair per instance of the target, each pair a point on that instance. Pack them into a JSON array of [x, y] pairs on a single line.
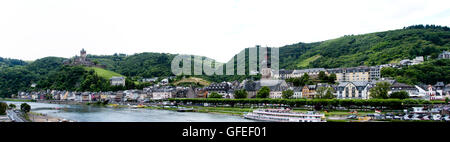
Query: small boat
[[284, 115], [183, 109], [138, 106]]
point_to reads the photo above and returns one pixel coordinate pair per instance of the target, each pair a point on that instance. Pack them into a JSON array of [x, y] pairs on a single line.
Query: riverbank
[[332, 116], [39, 117], [16, 100]]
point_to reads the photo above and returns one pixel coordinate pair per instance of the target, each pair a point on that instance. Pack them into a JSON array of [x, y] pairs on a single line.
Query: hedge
[[391, 103]]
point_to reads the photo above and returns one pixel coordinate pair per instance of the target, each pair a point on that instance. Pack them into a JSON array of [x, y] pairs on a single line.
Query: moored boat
[[185, 109], [284, 115]]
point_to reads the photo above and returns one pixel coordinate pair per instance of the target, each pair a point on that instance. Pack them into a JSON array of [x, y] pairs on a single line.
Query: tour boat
[[284, 115]]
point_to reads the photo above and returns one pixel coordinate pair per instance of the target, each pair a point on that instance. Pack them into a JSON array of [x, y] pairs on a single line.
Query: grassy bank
[[16, 100], [220, 110]]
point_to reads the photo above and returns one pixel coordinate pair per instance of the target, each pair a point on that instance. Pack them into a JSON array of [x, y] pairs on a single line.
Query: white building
[[117, 81], [164, 93], [353, 90]]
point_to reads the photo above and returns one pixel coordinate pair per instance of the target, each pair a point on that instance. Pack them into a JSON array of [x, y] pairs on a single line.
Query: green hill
[[106, 74], [368, 49]]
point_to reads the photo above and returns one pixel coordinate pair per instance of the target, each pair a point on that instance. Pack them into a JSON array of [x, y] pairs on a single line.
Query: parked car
[[407, 117], [416, 117], [436, 117], [389, 116], [425, 117], [353, 116], [446, 118]]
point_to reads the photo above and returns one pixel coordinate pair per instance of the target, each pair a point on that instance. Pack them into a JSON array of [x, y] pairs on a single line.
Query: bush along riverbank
[[16, 100], [318, 104]]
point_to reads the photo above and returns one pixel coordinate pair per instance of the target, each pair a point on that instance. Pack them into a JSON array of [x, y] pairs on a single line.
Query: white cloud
[[217, 29]]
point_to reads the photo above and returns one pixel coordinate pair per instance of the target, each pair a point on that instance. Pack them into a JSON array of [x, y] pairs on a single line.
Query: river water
[[84, 113]]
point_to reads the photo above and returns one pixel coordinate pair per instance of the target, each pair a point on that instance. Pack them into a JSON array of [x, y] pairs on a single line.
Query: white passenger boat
[[284, 115]]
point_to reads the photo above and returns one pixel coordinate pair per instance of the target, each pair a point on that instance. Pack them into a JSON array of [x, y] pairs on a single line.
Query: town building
[[353, 90], [415, 61], [251, 87], [444, 55], [117, 81], [411, 90], [287, 74], [297, 92], [362, 73], [163, 93], [220, 88], [277, 88], [150, 80], [309, 91]]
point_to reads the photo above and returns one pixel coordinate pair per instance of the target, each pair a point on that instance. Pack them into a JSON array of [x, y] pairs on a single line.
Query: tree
[[287, 94], [304, 80], [380, 91], [446, 100], [320, 91], [25, 107], [240, 94], [323, 77], [12, 106], [215, 95], [263, 92], [3, 107], [329, 94], [332, 78], [399, 95]]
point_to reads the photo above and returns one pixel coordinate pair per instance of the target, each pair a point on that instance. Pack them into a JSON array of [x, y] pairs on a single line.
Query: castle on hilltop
[[82, 60]]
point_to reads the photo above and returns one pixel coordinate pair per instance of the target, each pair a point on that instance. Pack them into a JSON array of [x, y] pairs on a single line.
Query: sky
[[218, 29]]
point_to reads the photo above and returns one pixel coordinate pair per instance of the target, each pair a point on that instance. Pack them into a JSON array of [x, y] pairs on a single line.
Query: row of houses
[[362, 73], [341, 90], [144, 95]]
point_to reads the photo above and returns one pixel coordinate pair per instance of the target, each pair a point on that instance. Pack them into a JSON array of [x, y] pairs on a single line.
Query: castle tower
[[83, 54]]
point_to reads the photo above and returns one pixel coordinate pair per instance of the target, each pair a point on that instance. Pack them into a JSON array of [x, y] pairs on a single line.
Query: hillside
[[368, 49], [6, 62], [106, 74], [193, 80]]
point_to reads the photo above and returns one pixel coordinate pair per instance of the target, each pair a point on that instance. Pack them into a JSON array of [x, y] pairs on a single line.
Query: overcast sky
[[32, 29]]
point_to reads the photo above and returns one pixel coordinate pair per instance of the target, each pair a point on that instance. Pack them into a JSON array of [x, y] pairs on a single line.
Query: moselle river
[[84, 113]]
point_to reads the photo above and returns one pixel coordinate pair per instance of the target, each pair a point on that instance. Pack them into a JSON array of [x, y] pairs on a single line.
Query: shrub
[[240, 94], [12, 106], [263, 92], [25, 107], [399, 95], [3, 107], [215, 95], [287, 94]]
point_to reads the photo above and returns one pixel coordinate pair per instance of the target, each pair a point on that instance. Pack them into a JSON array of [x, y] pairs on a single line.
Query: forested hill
[[141, 65], [347, 51], [368, 49], [6, 62]]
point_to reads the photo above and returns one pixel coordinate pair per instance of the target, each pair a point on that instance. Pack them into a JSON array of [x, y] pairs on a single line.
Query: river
[[85, 113]]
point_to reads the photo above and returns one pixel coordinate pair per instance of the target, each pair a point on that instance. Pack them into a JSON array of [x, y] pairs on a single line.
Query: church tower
[[266, 71]]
